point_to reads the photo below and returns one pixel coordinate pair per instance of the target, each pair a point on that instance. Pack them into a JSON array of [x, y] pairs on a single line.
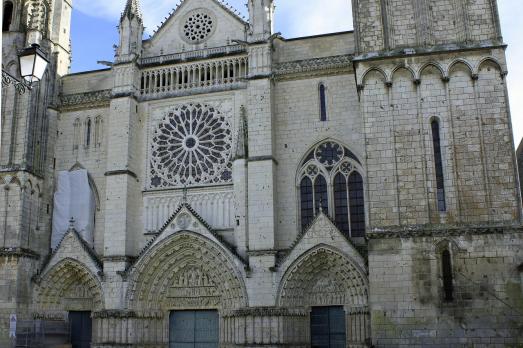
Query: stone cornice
[[421, 51], [87, 100], [267, 312], [314, 66], [127, 314], [441, 231], [19, 253]]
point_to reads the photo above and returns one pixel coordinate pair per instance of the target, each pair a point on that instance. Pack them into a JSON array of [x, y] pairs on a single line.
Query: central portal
[[191, 329]]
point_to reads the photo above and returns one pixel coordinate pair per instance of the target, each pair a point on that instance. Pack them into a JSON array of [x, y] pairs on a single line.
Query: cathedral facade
[[221, 185]]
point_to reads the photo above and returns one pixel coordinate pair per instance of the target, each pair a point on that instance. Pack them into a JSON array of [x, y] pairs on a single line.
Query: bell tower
[[386, 25], [27, 146]]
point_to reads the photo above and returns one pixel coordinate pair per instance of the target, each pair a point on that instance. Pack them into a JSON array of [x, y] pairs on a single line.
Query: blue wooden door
[[328, 327], [193, 329], [81, 329]]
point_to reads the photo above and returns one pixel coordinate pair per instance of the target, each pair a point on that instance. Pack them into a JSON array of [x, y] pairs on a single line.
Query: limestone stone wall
[[15, 291], [75, 151], [396, 24], [466, 93], [170, 39], [408, 306], [298, 128], [91, 81], [313, 47]]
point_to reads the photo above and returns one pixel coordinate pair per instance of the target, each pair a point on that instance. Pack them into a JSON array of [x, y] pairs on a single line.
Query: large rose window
[[191, 145]]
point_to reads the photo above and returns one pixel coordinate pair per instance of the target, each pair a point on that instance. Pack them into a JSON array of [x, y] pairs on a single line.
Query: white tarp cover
[[75, 199]]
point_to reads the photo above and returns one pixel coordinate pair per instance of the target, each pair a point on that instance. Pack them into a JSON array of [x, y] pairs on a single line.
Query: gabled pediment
[[185, 219], [72, 246], [322, 231], [194, 25]]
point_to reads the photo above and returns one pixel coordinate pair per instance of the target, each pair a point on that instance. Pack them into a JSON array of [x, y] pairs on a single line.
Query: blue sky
[[94, 32]]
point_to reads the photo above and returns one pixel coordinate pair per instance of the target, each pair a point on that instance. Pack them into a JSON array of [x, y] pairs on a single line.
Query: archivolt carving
[[323, 276], [69, 285], [186, 271]]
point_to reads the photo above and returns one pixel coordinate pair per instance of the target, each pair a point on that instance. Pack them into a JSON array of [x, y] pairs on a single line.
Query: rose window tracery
[[191, 145], [199, 25]]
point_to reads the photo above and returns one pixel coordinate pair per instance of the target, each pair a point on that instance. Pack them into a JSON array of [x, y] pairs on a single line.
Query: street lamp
[[32, 63]]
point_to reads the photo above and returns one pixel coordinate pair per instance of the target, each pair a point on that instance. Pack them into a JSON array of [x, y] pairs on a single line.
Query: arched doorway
[[65, 297], [335, 291], [185, 279]]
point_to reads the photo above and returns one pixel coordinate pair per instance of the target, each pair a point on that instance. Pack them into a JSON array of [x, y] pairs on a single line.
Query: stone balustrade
[[207, 75]]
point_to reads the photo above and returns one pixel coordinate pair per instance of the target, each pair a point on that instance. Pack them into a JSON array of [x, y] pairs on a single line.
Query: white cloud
[[301, 18], [311, 17], [156, 10]]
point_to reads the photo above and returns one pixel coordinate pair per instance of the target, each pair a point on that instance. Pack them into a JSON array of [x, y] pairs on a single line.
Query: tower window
[[323, 103], [88, 133], [8, 16], [446, 267], [438, 162]]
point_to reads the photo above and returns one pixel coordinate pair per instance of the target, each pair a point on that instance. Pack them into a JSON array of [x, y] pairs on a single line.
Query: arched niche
[[185, 271], [68, 286], [323, 277]]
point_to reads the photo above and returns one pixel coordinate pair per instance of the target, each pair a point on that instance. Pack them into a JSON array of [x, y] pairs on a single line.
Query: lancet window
[[330, 181]]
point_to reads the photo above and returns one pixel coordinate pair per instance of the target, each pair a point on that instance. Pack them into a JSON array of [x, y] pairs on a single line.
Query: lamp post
[[32, 62]]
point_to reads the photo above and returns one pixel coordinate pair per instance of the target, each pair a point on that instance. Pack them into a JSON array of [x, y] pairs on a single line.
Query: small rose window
[[198, 26]]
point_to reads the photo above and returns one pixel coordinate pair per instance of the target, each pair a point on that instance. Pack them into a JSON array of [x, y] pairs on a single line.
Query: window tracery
[[199, 25], [330, 181], [191, 145]]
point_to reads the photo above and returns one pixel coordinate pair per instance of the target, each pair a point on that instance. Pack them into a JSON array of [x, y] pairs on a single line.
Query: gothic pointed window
[[307, 205], [98, 131], [76, 134], [448, 278], [438, 163], [8, 16], [357, 207], [341, 207], [88, 131], [323, 103], [321, 199], [330, 179]]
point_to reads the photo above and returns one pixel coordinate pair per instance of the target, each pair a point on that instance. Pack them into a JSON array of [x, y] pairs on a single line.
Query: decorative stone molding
[[192, 55], [68, 285], [265, 326], [185, 271], [87, 100], [323, 277], [18, 252], [334, 63], [205, 150], [72, 237], [174, 80], [440, 231], [265, 311]]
